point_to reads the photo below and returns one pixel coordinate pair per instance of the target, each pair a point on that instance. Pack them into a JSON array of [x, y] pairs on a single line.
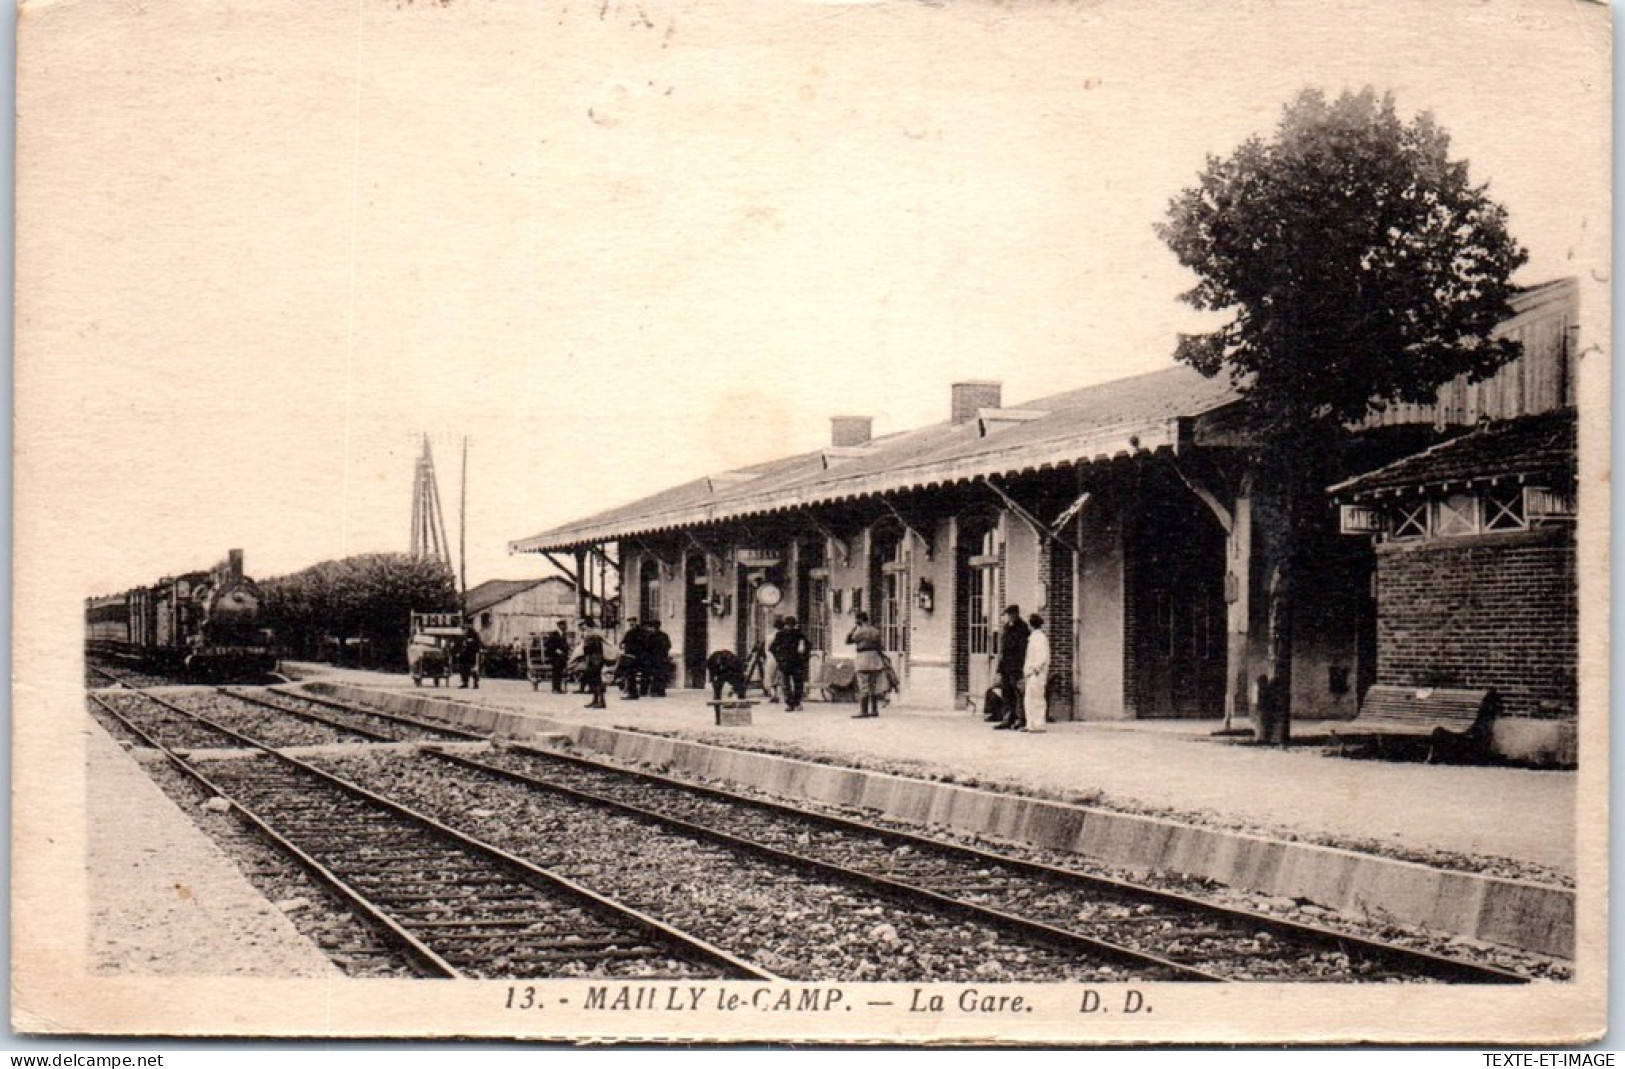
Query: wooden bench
[[731, 712], [1439, 714]]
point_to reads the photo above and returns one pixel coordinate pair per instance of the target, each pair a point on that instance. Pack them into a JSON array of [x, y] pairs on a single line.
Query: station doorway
[[696, 622], [978, 577], [1176, 610]]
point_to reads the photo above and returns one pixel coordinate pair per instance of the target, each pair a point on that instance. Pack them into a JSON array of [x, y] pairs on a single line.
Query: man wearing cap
[[870, 663], [592, 662], [556, 651], [790, 650], [1012, 668], [657, 647], [629, 668]]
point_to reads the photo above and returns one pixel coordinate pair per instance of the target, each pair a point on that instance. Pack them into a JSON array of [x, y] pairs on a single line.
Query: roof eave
[[1094, 446]]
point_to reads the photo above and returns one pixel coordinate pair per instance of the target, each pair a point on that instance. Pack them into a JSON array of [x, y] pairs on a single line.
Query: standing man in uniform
[[658, 645], [1035, 690], [871, 665], [556, 651], [770, 661], [468, 657], [630, 665], [592, 663], [1012, 668], [790, 650]]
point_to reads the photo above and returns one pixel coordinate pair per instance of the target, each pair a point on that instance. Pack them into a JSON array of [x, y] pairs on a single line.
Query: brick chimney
[[849, 431], [234, 563], [968, 397]]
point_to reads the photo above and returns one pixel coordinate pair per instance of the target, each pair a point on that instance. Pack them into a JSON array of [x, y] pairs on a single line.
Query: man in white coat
[[1035, 676]]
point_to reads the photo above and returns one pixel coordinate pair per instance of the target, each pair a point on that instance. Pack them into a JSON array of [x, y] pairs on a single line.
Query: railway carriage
[[205, 623]]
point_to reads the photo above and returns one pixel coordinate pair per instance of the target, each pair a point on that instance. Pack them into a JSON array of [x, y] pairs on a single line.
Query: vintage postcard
[[1033, 523]]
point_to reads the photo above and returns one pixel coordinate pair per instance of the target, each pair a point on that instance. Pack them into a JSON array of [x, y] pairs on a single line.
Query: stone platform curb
[[1516, 913]]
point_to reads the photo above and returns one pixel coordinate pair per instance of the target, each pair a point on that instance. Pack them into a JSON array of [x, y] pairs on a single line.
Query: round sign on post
[[768, 595]]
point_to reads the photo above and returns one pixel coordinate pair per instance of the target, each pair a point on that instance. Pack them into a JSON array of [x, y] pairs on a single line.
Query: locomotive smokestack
[[234, 563]]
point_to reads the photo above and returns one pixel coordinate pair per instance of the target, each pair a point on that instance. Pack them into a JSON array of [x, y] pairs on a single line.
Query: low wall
[[1530, 916], [1535, 742]]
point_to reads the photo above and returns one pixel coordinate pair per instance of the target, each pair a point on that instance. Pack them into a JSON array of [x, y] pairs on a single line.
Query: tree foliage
[[1358, 261], [369, 597]]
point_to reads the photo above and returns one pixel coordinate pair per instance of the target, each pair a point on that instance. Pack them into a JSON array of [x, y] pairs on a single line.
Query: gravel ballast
[[798, 926]]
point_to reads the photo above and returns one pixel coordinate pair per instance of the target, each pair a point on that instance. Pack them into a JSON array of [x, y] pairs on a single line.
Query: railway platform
[[1515, 821], [164, 901], [1481, 853], [1476, 852]]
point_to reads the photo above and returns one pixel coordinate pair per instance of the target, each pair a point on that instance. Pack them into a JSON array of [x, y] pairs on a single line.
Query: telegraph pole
[[462, 532]]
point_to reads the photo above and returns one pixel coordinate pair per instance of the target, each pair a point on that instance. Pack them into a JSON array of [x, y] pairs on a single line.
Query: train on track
[[207, 624]]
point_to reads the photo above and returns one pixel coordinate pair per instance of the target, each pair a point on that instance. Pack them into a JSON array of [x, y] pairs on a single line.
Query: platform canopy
[[1144, 414]]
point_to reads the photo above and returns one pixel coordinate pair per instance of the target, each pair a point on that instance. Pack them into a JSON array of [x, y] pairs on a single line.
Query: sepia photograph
[[985, 523]]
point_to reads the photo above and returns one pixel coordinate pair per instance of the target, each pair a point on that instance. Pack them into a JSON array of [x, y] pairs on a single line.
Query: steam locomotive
[[207, 624]]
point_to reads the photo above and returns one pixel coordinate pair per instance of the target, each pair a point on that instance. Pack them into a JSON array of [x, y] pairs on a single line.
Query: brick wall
[[1055, 565], [1489, 611]]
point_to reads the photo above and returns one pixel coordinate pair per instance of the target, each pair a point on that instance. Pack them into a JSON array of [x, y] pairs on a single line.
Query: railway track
[[101, 675], [1126, 929], [208, 721], [453, 906], [806, 922], [378, 726], [1204, 940], [1213, 940]]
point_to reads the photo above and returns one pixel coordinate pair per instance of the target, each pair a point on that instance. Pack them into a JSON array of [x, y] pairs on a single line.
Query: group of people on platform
[[1020, 701]]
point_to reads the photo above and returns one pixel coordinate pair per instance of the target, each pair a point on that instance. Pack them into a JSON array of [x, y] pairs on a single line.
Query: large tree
[[1357, 265], [370, 596]]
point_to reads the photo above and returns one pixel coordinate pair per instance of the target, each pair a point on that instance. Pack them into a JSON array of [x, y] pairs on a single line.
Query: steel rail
[[456, 732], [306, 714], [529, 873], [1447, 967], [906, 893]]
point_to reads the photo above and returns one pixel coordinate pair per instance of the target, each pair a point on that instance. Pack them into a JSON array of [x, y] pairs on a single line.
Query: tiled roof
[[495, 591], [1137, 414], [1536, 446]]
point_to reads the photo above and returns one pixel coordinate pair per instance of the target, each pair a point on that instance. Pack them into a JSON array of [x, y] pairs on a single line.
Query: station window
[[982, 632], [982, 597], [1455, 515], [818, 613], [1504, 509], [1459, 514], [1410, 521], [649, 593], [891, 612]]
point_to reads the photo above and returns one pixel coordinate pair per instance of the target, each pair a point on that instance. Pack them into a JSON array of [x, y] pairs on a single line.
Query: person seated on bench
[[724, 667]]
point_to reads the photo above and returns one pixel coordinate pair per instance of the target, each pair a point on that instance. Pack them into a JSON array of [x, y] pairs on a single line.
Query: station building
[[1121, 512], [1476, 581]]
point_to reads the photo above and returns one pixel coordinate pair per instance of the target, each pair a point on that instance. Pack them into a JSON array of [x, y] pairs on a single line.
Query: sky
[[264, 248]]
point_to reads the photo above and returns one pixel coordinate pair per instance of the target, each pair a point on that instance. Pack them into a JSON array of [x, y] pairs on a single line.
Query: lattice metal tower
[[428, 522]]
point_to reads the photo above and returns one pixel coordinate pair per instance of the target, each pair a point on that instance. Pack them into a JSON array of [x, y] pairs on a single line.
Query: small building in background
[[507, 611], [1475, 578]]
